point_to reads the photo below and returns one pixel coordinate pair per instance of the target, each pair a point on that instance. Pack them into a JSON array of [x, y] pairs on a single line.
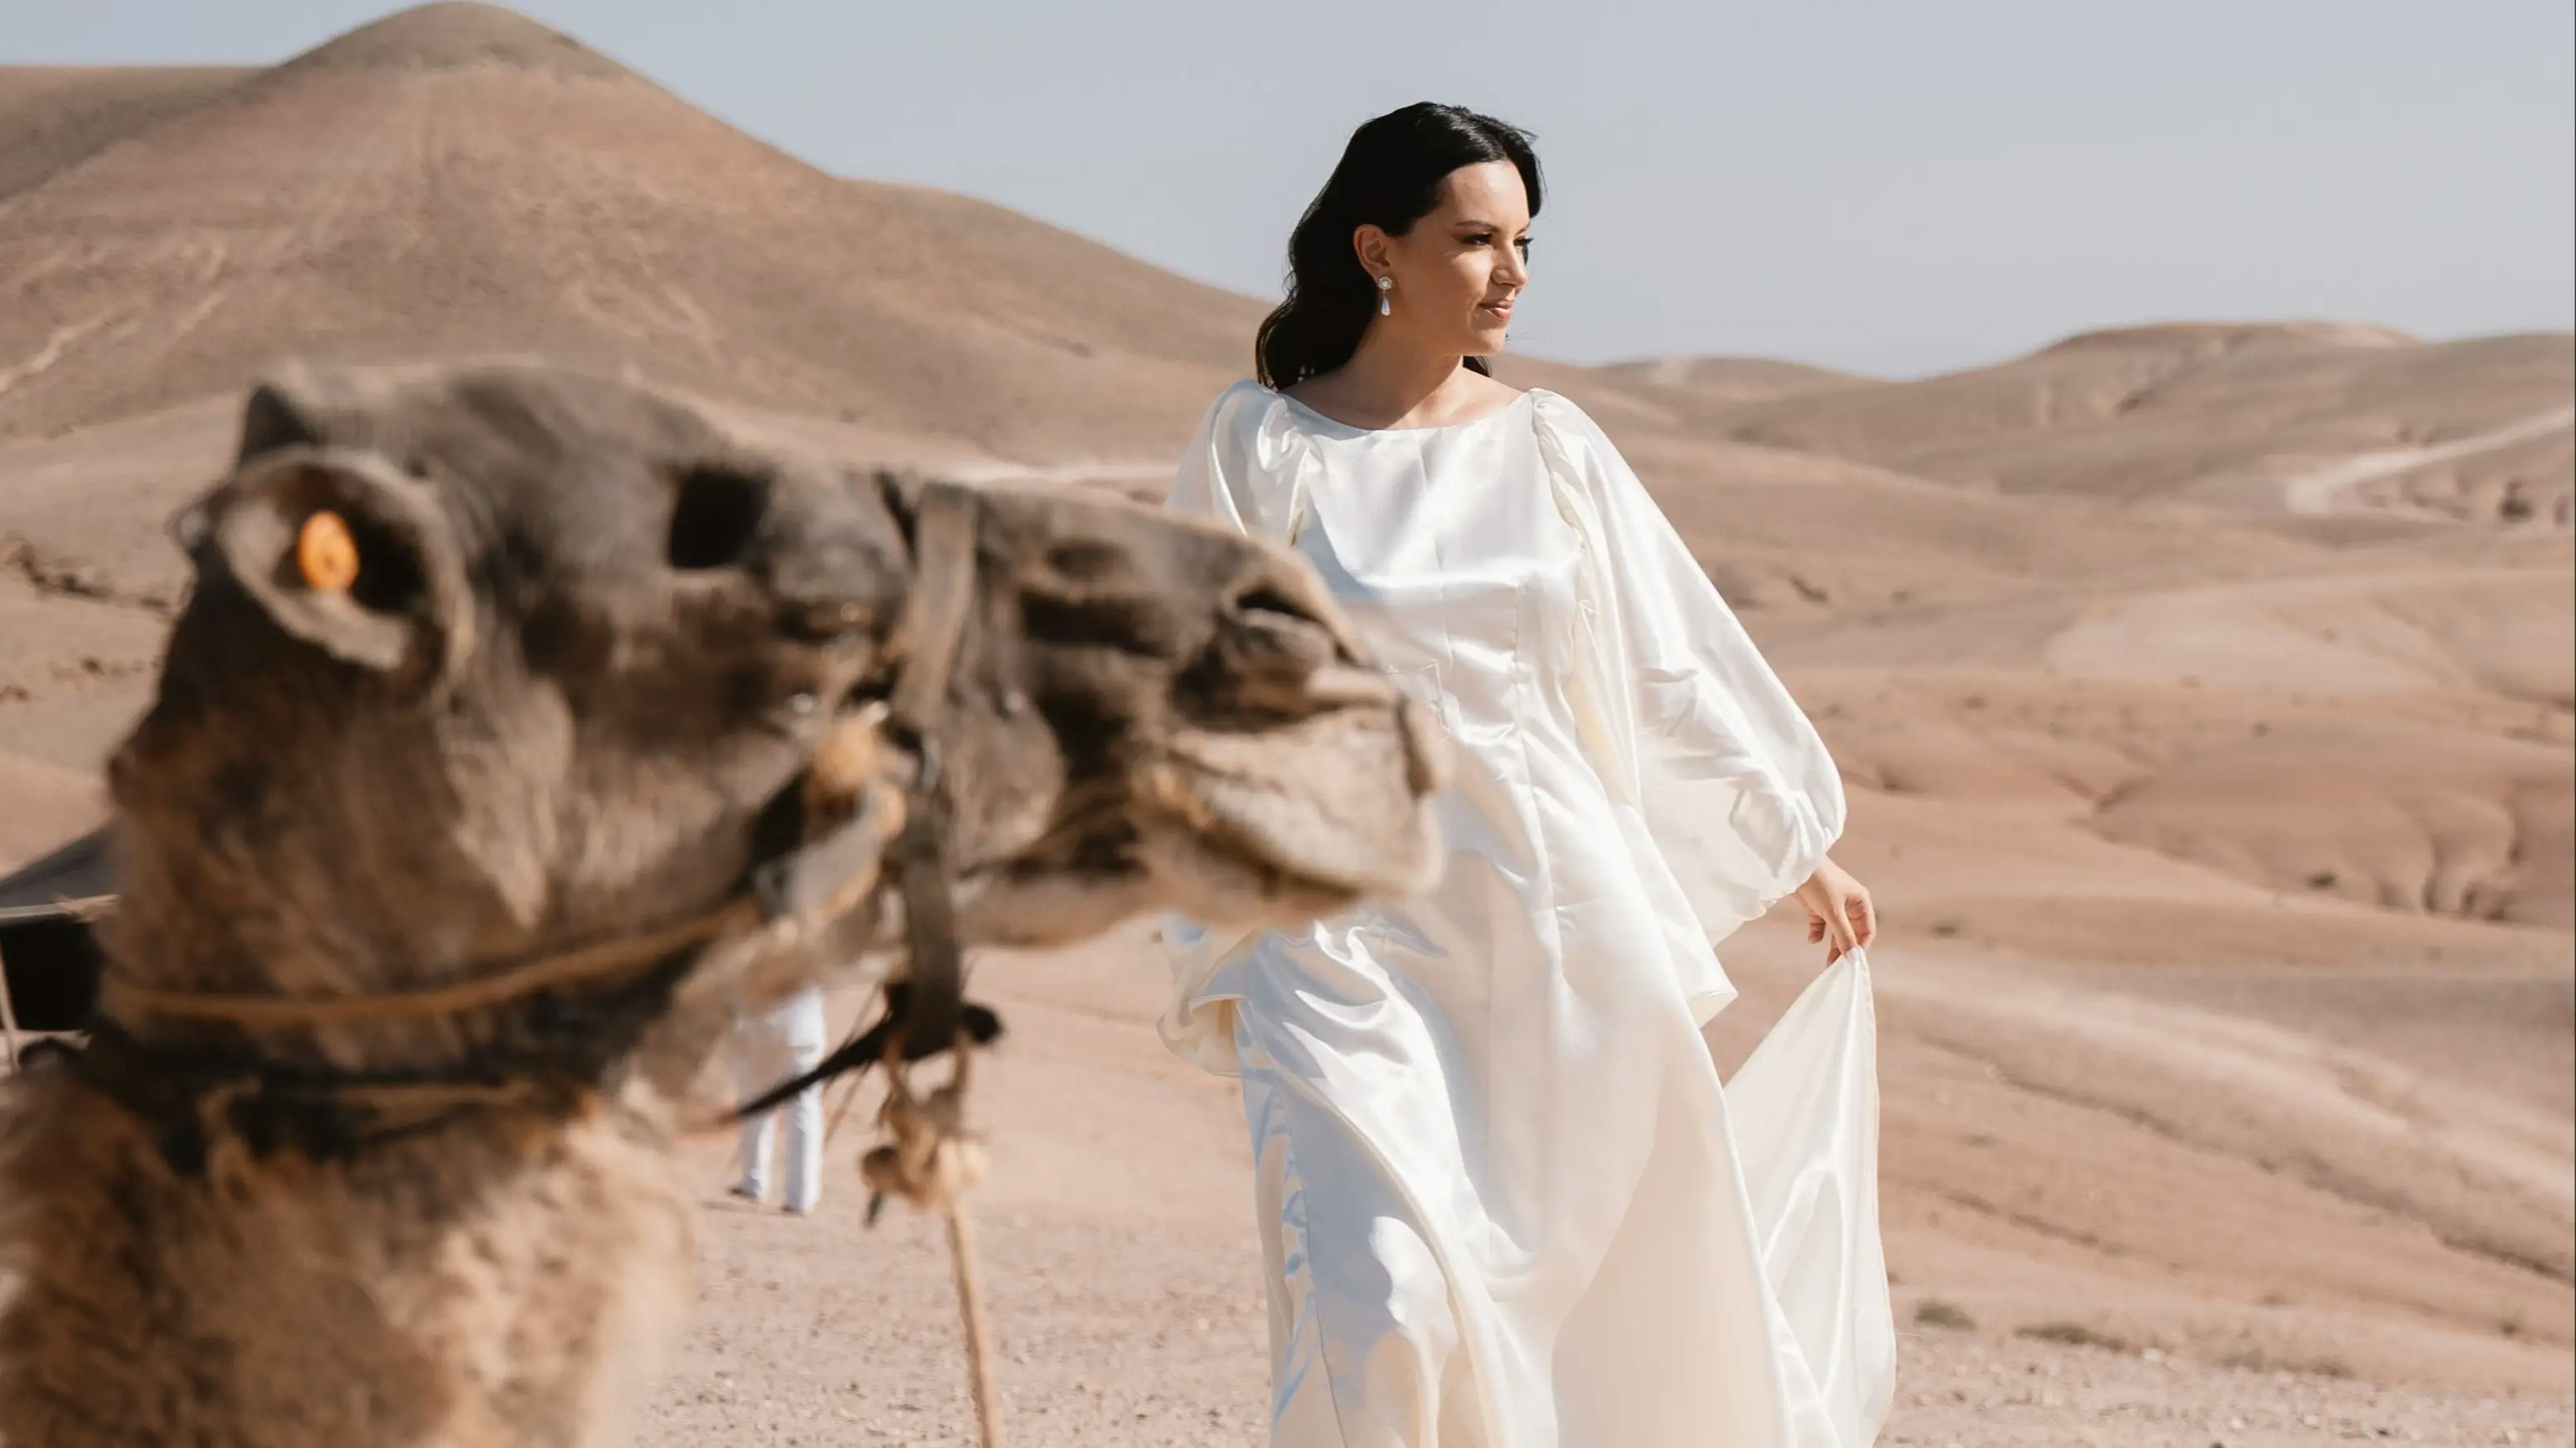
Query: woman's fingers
[[1834, 929], [1846, 936], [1840, 913]]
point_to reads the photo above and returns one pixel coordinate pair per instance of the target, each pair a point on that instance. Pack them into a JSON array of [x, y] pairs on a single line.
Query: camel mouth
[[1305, 817]]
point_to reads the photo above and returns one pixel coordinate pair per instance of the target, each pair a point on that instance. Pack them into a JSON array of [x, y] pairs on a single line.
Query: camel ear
[[341, 550], [285, 411]]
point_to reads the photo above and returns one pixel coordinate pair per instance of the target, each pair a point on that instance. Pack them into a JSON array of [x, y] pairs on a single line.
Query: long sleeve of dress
[[1736, 788], [1241, 471]]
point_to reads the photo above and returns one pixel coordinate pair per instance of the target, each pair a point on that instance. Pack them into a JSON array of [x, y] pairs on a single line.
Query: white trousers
[[784, 1042]]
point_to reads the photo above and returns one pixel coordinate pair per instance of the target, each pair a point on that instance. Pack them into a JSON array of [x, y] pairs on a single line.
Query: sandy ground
[[1124, 1284]]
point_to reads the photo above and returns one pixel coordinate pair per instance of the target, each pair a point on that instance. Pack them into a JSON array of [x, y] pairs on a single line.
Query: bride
[[1503, 1199]]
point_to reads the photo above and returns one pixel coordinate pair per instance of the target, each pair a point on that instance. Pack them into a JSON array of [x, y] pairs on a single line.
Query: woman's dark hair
[[1389, 176]]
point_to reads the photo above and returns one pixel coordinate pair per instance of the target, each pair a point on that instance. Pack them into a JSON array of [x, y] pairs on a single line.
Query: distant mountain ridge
[[379, 198]]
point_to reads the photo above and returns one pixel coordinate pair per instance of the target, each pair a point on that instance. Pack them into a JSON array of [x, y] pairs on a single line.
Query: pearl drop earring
[[1386, 296]]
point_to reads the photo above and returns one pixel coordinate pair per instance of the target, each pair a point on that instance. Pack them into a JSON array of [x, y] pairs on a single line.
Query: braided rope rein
[[930, 1159]]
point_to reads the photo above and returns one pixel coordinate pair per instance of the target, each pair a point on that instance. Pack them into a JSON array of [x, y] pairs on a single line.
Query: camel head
[[481, 661]]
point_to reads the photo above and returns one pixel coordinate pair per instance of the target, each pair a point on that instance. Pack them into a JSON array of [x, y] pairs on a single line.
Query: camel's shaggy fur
[[590, 648]]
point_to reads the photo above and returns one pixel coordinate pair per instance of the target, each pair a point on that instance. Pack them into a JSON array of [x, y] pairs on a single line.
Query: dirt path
[[2324, 489]]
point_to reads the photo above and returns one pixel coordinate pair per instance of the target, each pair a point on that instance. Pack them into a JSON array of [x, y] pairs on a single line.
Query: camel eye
[[715, 518]]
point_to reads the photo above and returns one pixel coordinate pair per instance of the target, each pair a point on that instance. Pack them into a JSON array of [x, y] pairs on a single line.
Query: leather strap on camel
[[932, 1157]]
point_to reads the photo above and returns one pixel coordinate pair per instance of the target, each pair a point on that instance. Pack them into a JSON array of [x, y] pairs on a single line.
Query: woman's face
[[1458, 270]]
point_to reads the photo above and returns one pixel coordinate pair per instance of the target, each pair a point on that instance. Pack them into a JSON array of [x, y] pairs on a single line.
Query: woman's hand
[[1838, 907]]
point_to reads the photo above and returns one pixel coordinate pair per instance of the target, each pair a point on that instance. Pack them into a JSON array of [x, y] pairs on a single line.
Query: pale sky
[[1896, 188]]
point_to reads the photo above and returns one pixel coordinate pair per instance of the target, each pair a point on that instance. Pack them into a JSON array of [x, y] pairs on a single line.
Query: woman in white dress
[[1504, 1201]]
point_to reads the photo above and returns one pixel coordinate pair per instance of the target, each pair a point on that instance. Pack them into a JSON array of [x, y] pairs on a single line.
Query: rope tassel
[[930, 1159]]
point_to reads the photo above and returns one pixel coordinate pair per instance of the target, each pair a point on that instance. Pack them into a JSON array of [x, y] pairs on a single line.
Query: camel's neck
[[499, 1280]]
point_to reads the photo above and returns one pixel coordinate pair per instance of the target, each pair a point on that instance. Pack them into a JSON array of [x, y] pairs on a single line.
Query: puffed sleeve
[[1736, 788], [1232, 471]]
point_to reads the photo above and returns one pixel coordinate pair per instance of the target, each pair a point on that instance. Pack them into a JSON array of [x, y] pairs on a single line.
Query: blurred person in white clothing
[[772, 1046]]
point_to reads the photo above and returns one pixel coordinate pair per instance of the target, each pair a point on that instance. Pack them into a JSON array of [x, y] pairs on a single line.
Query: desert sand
[[2207, 693]]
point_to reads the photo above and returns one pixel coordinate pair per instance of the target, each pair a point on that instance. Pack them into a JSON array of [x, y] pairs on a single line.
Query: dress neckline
[[1344, 429]]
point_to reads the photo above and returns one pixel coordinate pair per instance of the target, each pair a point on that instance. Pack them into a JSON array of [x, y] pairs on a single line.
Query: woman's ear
[[1370, 243]]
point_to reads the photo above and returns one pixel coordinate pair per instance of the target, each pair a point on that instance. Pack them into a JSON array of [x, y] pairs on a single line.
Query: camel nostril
[[1273, 639], [1261, 598]]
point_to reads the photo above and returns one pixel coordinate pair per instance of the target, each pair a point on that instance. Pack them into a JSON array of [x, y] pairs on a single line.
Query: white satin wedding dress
[[1504, 1201]]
